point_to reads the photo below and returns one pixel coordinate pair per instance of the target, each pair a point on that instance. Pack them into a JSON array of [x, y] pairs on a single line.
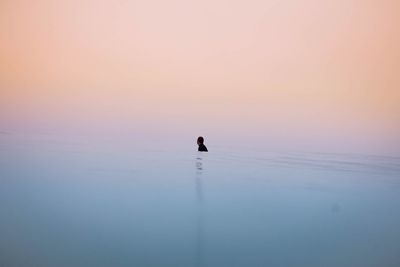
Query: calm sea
[[74, 204]]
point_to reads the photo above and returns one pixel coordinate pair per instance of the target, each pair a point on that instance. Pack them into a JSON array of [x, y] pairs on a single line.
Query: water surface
[[67, 203]]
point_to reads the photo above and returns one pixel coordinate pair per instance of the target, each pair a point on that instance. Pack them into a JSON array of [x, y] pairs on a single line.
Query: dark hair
[[200, 140]]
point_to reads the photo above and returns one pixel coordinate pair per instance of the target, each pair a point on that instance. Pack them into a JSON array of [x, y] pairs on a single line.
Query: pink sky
[[302, 69]]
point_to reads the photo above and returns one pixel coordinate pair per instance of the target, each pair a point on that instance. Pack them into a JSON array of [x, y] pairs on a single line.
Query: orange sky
[[304, 67]]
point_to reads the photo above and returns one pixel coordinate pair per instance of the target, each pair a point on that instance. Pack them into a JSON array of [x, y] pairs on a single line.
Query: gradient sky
[[306, 71]]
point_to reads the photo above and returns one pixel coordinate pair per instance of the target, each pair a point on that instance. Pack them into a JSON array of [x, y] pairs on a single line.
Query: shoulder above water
[[203, 148]]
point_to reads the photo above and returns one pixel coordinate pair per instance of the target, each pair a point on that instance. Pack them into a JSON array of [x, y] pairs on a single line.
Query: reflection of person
[[200, 142], [200, 227]]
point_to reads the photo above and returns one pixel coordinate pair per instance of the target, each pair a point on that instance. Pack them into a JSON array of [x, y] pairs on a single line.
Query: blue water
[[71, 204]]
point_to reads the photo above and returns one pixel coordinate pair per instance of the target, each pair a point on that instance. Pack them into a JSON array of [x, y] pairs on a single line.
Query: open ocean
[[69, 203]]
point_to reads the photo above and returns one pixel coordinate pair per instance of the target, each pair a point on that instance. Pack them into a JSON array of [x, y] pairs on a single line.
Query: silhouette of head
[[200, 140]]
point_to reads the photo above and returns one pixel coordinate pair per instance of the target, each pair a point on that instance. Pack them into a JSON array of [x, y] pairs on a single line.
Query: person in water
[[200, 142]]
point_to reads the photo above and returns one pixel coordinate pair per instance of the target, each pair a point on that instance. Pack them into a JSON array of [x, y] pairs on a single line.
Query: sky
[[307, 73]]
